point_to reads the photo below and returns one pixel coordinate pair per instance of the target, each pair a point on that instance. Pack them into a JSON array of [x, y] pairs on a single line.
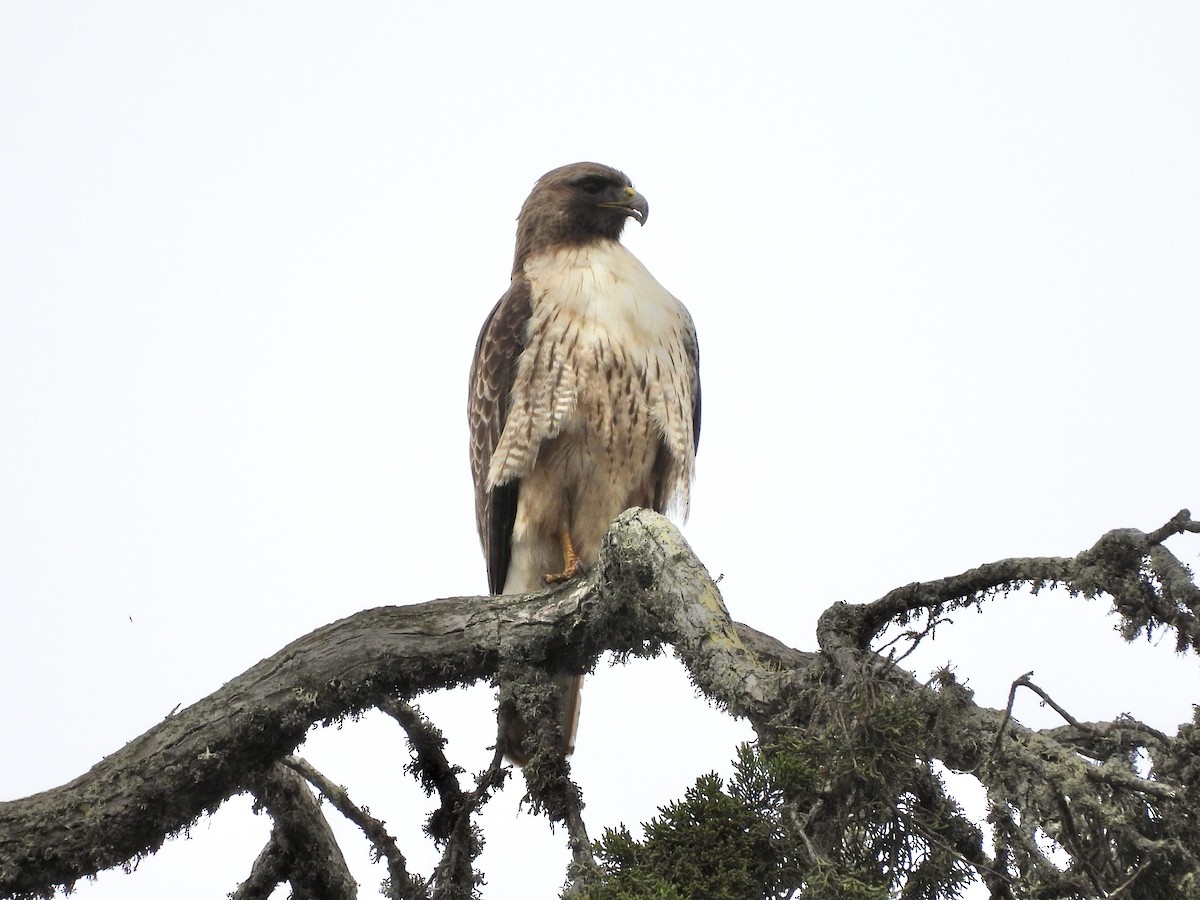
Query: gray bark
[[646, 591]]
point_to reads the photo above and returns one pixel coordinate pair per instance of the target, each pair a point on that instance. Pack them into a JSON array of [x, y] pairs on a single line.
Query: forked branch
[[648, 590]]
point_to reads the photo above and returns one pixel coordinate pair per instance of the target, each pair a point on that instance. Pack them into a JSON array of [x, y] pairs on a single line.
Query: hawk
[[584, 395]]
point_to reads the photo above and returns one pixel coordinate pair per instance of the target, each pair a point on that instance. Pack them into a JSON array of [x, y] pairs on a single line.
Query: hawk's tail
[[513, 730]]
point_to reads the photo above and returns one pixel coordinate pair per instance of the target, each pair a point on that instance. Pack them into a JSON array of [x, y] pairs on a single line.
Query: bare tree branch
[[402, 886], [1115, 565], [268, 872], [1077, 784], [302, 848], [430, 765], [454, 877], [647, 590]]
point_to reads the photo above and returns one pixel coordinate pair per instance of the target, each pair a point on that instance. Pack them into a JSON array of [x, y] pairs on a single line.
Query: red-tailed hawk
[[585, 394]]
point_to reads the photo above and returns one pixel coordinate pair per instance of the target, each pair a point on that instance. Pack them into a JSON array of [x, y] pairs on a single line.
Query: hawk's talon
[[572, 565]]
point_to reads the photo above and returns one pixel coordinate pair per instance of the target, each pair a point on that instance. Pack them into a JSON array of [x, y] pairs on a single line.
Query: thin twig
[[403, 885], [1179, 523], [1128, 882], [1012, 697], [915, 636], [1024, 681], [429, 764], [454, 873]]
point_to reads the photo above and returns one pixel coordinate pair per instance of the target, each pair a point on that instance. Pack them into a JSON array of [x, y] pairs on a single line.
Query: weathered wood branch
[[403, 886], [1117, 565], [647, 591], [302, 849]]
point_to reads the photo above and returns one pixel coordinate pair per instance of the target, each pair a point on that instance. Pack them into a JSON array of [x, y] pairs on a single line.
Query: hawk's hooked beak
[[634, 204]]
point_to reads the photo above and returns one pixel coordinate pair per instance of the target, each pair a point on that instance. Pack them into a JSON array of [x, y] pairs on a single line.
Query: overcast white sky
[[944, 260]]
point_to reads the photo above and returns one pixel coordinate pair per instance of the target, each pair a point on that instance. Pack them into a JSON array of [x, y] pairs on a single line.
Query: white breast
[[603, 294], [597, 315]]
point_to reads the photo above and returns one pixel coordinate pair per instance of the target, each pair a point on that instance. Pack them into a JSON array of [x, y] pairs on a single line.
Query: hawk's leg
[[571, 562]]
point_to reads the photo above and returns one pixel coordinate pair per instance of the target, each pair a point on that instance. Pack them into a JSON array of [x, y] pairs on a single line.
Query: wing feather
[[666, 468], [692, 346], [501, 341]]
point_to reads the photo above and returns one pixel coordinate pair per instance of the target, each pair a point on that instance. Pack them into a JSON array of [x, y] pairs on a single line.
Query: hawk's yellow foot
[[572, 565]]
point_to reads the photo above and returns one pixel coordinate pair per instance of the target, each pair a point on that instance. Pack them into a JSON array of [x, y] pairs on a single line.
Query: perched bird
[[584, 395]]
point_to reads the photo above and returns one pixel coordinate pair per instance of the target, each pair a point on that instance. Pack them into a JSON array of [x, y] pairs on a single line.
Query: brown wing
[[492, 371], [693, 351], [664, 484]]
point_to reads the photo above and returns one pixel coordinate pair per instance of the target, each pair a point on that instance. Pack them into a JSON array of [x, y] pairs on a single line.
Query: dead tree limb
[[648, 590], [302, 849]]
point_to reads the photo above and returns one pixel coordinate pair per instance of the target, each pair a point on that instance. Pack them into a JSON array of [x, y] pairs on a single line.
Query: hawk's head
[[576, 205]]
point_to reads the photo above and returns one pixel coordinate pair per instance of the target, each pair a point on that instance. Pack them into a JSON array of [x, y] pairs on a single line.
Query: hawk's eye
[[592, 185]]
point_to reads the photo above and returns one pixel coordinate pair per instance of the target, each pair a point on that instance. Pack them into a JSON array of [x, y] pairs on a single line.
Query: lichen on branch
[[843, 787]]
